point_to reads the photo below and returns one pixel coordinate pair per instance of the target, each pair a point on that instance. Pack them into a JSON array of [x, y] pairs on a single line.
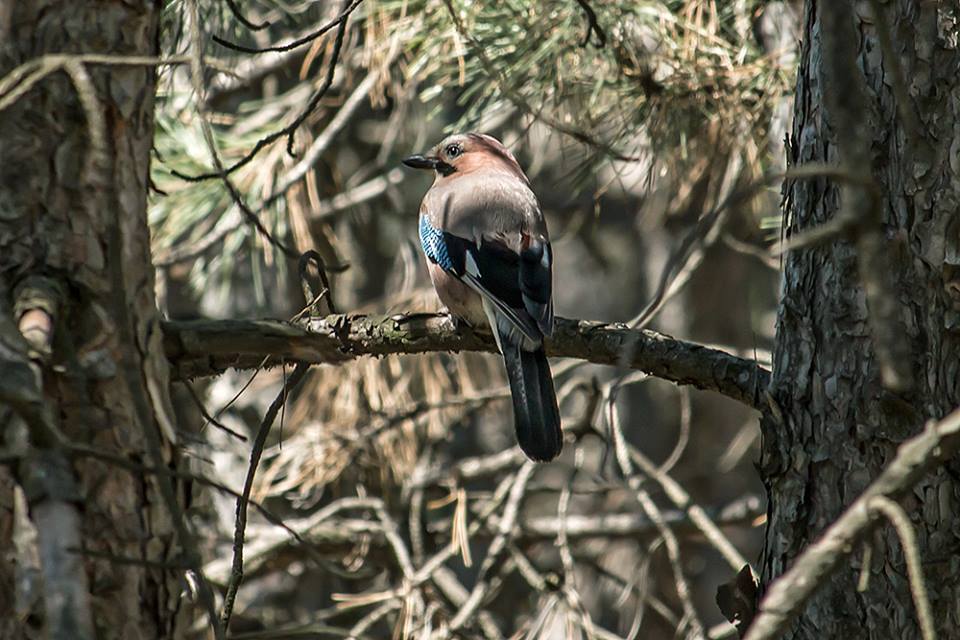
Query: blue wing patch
[[495, 272], [434, 245]]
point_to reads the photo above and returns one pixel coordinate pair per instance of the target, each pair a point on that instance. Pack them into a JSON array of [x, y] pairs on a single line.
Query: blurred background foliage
[[635, 121]]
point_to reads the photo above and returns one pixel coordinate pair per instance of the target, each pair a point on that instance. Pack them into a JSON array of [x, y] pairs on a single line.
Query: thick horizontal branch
[[198, 348]]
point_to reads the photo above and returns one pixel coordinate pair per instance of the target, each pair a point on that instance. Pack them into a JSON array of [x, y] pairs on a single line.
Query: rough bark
[[837, 426], [75, 153]]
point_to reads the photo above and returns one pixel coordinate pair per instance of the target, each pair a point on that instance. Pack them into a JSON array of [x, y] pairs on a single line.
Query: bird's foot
[[459, 324]]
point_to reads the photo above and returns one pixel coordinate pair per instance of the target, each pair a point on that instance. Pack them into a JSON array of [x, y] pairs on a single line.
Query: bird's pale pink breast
[[461, 300]]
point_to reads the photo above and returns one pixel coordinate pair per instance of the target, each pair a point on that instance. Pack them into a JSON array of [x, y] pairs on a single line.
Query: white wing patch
[[471, 266]]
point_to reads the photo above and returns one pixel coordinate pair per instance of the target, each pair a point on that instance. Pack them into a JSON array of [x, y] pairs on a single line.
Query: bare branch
[[911, 553], [236, 575], [198, 401], [250, 69], [786, 596], [357, 195], [621, 453], [242, 19], [340, 19], [322, 142], [208, 347], [291, 128], [497, 547], [21, 79], [199, 88], [633, 525], [694, 512], [593, 27]]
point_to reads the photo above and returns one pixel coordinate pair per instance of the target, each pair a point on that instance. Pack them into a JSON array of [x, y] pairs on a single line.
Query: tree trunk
[[839, 425], [75, 252]]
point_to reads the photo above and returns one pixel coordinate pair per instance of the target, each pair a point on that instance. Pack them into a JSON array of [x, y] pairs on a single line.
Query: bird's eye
[[453, 150]]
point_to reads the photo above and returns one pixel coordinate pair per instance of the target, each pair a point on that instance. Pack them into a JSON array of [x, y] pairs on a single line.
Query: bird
[[489, 257]]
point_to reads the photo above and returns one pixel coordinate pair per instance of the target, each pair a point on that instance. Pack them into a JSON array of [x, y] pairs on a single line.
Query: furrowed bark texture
[[839, 425], [74, 215]]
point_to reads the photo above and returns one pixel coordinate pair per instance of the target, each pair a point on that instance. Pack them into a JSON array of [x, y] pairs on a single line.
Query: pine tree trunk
[[839, 425], [74, 245]]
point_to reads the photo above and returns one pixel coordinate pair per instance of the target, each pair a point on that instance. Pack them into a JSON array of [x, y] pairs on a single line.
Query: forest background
[[201, 200]]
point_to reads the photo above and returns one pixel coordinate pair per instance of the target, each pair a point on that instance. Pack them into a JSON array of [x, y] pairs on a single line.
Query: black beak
[[421, 162]]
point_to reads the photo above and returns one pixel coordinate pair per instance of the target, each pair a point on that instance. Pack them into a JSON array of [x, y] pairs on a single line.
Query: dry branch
[[329, 537], [787, 595], [631, 525], [256, 451], [198, 348]]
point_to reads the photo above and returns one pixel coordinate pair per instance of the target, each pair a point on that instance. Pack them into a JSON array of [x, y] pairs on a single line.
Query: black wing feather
[[499, 276], [536, 283]]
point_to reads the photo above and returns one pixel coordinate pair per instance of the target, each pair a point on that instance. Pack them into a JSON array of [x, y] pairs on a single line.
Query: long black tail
[[535, 408]]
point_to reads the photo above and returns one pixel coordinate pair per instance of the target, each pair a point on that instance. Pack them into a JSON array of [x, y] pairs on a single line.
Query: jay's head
[[465, 153]]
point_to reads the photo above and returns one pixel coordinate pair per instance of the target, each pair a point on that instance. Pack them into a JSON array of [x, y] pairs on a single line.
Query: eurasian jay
[[490, 261]]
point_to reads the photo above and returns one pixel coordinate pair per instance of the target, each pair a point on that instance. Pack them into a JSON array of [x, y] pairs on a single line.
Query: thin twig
[[497, 547], [256, 451], [697, 515], [188, 251], [197, 78], [338, 21], [372, 618], [22, 78], [83, 451], [747, 249], [911, 553], [593, 27], [653, 512], [198, 401], [431, 566], [392, 533], [570, 591], [251, 69], [686, 410], [235, 10], [290, 129], [322, 142], [865, 567], [786, 596], [313, 298]]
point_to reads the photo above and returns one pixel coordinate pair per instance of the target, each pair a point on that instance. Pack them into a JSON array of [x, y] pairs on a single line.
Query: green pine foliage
[[652, 82]]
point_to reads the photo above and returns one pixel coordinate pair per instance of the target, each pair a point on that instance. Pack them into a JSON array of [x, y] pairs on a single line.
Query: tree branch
[[787, 595], [198, 348]]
